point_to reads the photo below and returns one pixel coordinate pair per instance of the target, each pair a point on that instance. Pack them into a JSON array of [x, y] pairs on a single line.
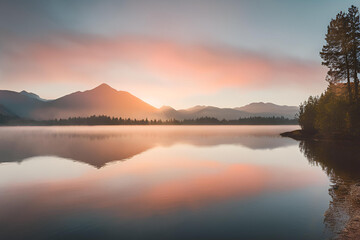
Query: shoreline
[[298, 135], [343, 214], [301, 135], [344, 211]]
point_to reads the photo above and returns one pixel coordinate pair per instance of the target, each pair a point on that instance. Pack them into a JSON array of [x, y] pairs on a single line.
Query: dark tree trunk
[[356, 85], [348, 78], [356, 79]]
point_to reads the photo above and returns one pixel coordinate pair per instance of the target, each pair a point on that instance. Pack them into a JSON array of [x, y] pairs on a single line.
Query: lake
[[161, 182]]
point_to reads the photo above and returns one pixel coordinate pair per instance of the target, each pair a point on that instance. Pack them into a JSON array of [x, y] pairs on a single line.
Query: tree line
[[342, 51], [336, 112], [106, 120]]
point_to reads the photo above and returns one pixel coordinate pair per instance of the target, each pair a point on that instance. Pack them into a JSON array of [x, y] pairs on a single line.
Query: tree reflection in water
[[341, 161]]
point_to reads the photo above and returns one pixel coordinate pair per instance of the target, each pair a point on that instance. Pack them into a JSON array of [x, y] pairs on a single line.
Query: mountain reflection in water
[[178, 182], [100, 145]]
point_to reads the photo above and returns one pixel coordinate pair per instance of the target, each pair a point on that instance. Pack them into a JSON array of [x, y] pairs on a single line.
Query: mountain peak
[[269, 109], [259, 103], [103, 87], [31, 95]]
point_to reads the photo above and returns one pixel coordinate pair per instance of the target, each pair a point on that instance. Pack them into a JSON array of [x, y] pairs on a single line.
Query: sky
[[180, 53]]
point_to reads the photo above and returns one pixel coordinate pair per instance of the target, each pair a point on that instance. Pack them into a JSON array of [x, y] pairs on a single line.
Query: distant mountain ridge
[[32, 95], [268, 109], [105, 100]]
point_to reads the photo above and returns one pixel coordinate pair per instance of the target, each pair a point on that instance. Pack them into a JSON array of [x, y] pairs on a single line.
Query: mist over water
[[159, 182]]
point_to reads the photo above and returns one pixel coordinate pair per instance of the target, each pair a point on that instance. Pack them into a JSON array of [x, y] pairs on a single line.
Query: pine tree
[[354, 38], [336, 52]]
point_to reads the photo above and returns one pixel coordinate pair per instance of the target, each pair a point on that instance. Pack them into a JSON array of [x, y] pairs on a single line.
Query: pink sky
[[178, 53], [160, 72]]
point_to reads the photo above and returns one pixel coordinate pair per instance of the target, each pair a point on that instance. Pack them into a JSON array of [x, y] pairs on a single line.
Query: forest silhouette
[[336, 112], [106, 120]]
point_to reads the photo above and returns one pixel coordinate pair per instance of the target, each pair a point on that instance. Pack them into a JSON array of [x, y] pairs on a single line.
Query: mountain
[[5, 112], [19, 104], [219, 113], [270, 109], [31, 95], [105, 100], [251, 110], [102, 100], [204, 111]]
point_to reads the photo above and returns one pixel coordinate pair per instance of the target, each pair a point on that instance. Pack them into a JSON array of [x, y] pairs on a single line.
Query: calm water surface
[[159, 182]]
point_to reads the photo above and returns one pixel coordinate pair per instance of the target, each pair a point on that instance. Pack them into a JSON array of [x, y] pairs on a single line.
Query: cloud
[[153, 63]]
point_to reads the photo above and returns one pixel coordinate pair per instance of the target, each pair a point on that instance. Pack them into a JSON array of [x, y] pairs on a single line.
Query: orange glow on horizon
[[164, 68]]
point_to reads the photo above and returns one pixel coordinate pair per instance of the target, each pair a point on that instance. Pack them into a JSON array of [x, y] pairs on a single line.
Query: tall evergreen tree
[[336, 51], [354, 38]]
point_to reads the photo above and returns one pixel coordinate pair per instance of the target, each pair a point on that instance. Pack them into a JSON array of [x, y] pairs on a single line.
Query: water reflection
[[181, 183], [341, 161], [100, 145]]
